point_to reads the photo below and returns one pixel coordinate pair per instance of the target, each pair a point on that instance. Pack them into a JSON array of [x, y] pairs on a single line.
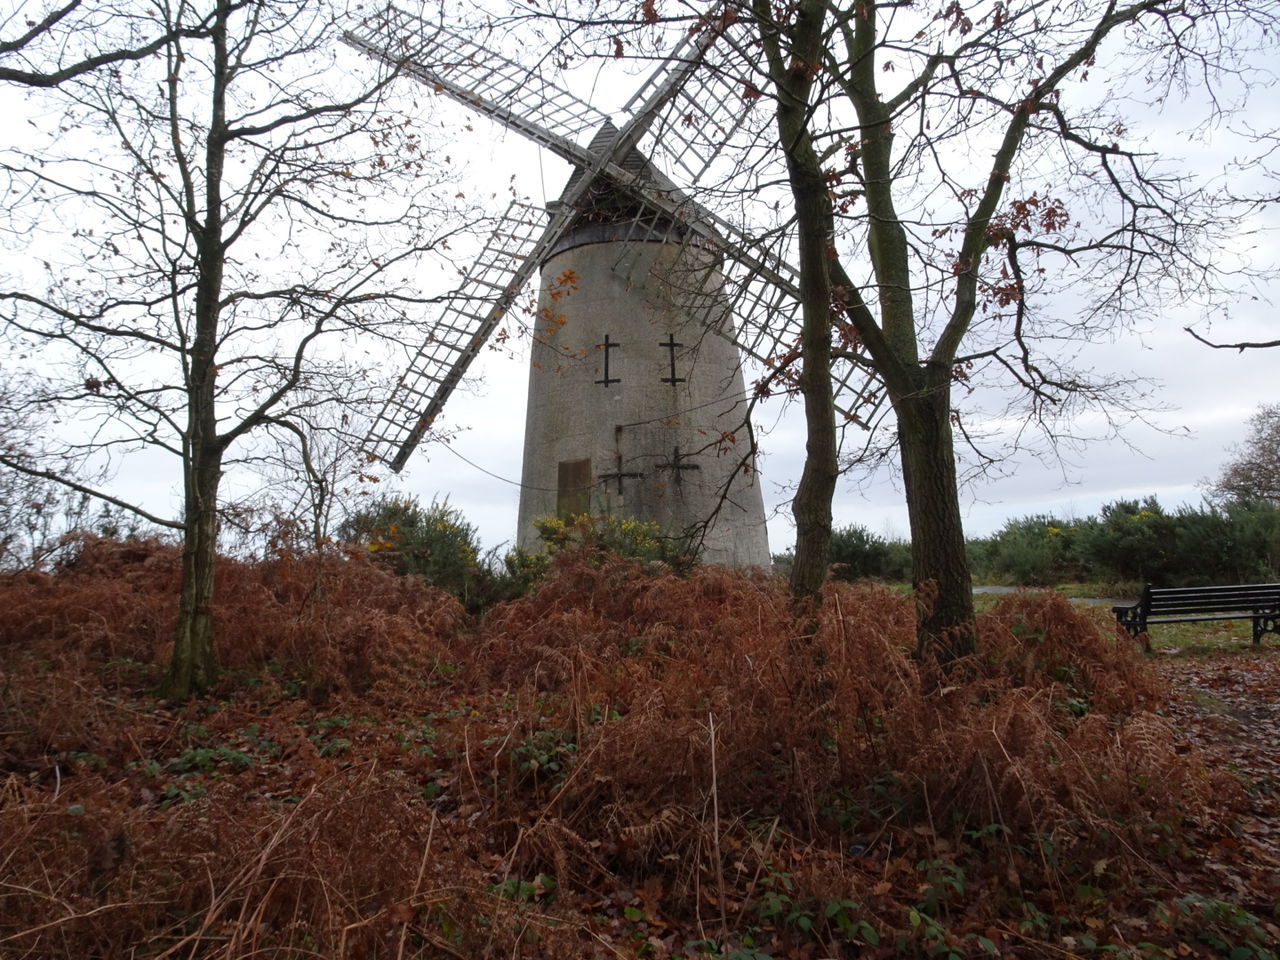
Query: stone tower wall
[[636, 406]]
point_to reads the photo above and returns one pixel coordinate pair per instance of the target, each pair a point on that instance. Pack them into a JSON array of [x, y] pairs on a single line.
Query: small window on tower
[[573, 488]]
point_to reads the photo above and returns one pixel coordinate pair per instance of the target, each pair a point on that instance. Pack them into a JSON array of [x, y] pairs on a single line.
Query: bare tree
[[301, 487], [970, 204], [958, 184], [218, 240], [1240, 345], [1258, 192], [35, 513], [1253, 470], [43, 46]]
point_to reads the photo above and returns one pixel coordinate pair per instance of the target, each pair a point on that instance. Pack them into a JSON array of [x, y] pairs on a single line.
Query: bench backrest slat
[[1262, 596], [1159, 608], [1269, 589]]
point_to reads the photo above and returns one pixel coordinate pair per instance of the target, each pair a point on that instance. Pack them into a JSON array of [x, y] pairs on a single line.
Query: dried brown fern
[[567, 736]]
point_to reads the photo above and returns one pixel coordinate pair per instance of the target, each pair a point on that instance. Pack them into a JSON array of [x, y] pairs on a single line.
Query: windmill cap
[[610, 212], [633, 161]]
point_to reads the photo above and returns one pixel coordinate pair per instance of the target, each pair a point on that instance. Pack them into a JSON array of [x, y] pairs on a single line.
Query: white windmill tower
[[648, 302]]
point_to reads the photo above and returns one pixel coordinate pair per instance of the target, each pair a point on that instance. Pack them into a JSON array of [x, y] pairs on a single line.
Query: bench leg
[[1137, 628], [1265, 623]]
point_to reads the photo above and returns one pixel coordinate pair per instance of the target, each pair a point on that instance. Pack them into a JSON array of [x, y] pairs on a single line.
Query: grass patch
[[1120, 592], [1208, 639]]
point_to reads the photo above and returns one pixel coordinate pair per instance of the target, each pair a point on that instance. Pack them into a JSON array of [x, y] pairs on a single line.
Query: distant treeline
[[1130, 541]]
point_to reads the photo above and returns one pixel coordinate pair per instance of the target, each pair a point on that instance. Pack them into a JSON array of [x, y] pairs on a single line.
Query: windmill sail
[[682, 113], [454, 64], [470, 316], [682, 117], [691, 109]]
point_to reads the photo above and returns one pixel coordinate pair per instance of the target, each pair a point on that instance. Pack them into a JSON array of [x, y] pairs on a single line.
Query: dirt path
[[1228, 706]]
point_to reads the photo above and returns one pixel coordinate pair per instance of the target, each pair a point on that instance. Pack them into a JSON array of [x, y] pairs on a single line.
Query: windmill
[[648, 300]]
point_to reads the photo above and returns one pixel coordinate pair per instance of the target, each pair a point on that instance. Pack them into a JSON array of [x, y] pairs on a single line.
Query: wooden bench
[[1259, 602]]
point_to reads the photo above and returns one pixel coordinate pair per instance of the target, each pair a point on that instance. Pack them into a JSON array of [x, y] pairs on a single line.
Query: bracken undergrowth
[[624, 763]]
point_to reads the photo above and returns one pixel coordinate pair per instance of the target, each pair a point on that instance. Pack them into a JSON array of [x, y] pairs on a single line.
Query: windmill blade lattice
[[766, 320], [469, 317], [454, 64], [692, 110], [681, 112], [683, 116]]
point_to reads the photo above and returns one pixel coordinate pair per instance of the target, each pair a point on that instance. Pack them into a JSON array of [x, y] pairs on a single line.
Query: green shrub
[[1237, 542], [1255, 527], [1035, 551], [858, 554], [897, 564], [435, 543], [596, 537], [1132, 540], [1205, 549], [1137, 541], [636, 539]]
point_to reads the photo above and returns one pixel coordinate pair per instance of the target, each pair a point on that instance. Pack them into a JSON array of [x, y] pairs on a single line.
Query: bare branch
[[73, 484], [1241, 346]]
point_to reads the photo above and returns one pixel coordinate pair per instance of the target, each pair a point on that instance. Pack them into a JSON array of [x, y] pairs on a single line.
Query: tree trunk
[[812, 504], [812, 511], [193, 668], [945, 629], [792, 71]]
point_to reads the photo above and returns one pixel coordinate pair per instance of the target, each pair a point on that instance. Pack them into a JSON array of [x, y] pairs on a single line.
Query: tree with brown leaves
[[213, 236], [952, 175]]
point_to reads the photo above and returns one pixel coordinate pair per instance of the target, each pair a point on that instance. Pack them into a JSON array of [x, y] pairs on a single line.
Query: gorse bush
[[858, 554], [601, 536], [1131, 540], [1136, 541], [435, 543], [1232, 542], [1034, 551], [1255, 527]]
